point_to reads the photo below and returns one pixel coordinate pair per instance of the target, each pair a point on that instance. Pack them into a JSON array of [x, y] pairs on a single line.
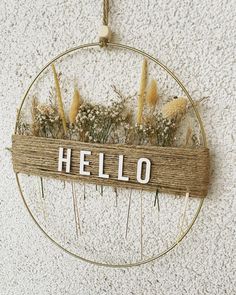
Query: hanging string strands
[[76, 211], [141, 224], [156, 201], [183, 217], [128, 214], [105, 31], [42, 198], [105, 12]]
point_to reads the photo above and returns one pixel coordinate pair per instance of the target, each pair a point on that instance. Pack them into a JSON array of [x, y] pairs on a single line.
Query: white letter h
[[66, 160]]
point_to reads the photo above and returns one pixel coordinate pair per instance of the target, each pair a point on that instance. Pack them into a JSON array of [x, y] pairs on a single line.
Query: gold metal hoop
[[156, 61]]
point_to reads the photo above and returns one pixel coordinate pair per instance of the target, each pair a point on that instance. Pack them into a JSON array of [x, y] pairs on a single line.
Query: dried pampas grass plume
[[59, 99], [141, 95], [176, 108], [152, 96], [76, 102]]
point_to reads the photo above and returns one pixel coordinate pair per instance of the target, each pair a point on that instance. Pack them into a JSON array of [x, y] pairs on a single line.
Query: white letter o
[[146, 179]]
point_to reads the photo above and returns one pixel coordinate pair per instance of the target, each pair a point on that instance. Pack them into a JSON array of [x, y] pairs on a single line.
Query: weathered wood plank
[[173, 170]]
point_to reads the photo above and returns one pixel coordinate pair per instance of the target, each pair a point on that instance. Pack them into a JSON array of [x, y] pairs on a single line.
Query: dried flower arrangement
[[151, 125], [115, 123]]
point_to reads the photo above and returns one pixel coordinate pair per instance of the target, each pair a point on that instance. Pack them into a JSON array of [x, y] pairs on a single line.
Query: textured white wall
[[197, 40]]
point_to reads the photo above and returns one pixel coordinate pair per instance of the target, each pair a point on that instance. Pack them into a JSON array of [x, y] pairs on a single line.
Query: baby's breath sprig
[[97, 123], [48, 120], [165, 130]]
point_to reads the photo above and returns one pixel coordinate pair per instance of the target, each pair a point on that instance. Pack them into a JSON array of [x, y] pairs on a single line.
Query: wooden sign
[[168, 169]]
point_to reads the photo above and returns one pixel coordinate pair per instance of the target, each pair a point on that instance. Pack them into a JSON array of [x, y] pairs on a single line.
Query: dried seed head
[[34, 127], [176, 108], [188, 135], [59, 98], [76, 102], [152, 96], [141, 96]]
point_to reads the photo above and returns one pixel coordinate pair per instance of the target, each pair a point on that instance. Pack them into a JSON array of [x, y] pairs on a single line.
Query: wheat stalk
[[59, 99], [142, 88]]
